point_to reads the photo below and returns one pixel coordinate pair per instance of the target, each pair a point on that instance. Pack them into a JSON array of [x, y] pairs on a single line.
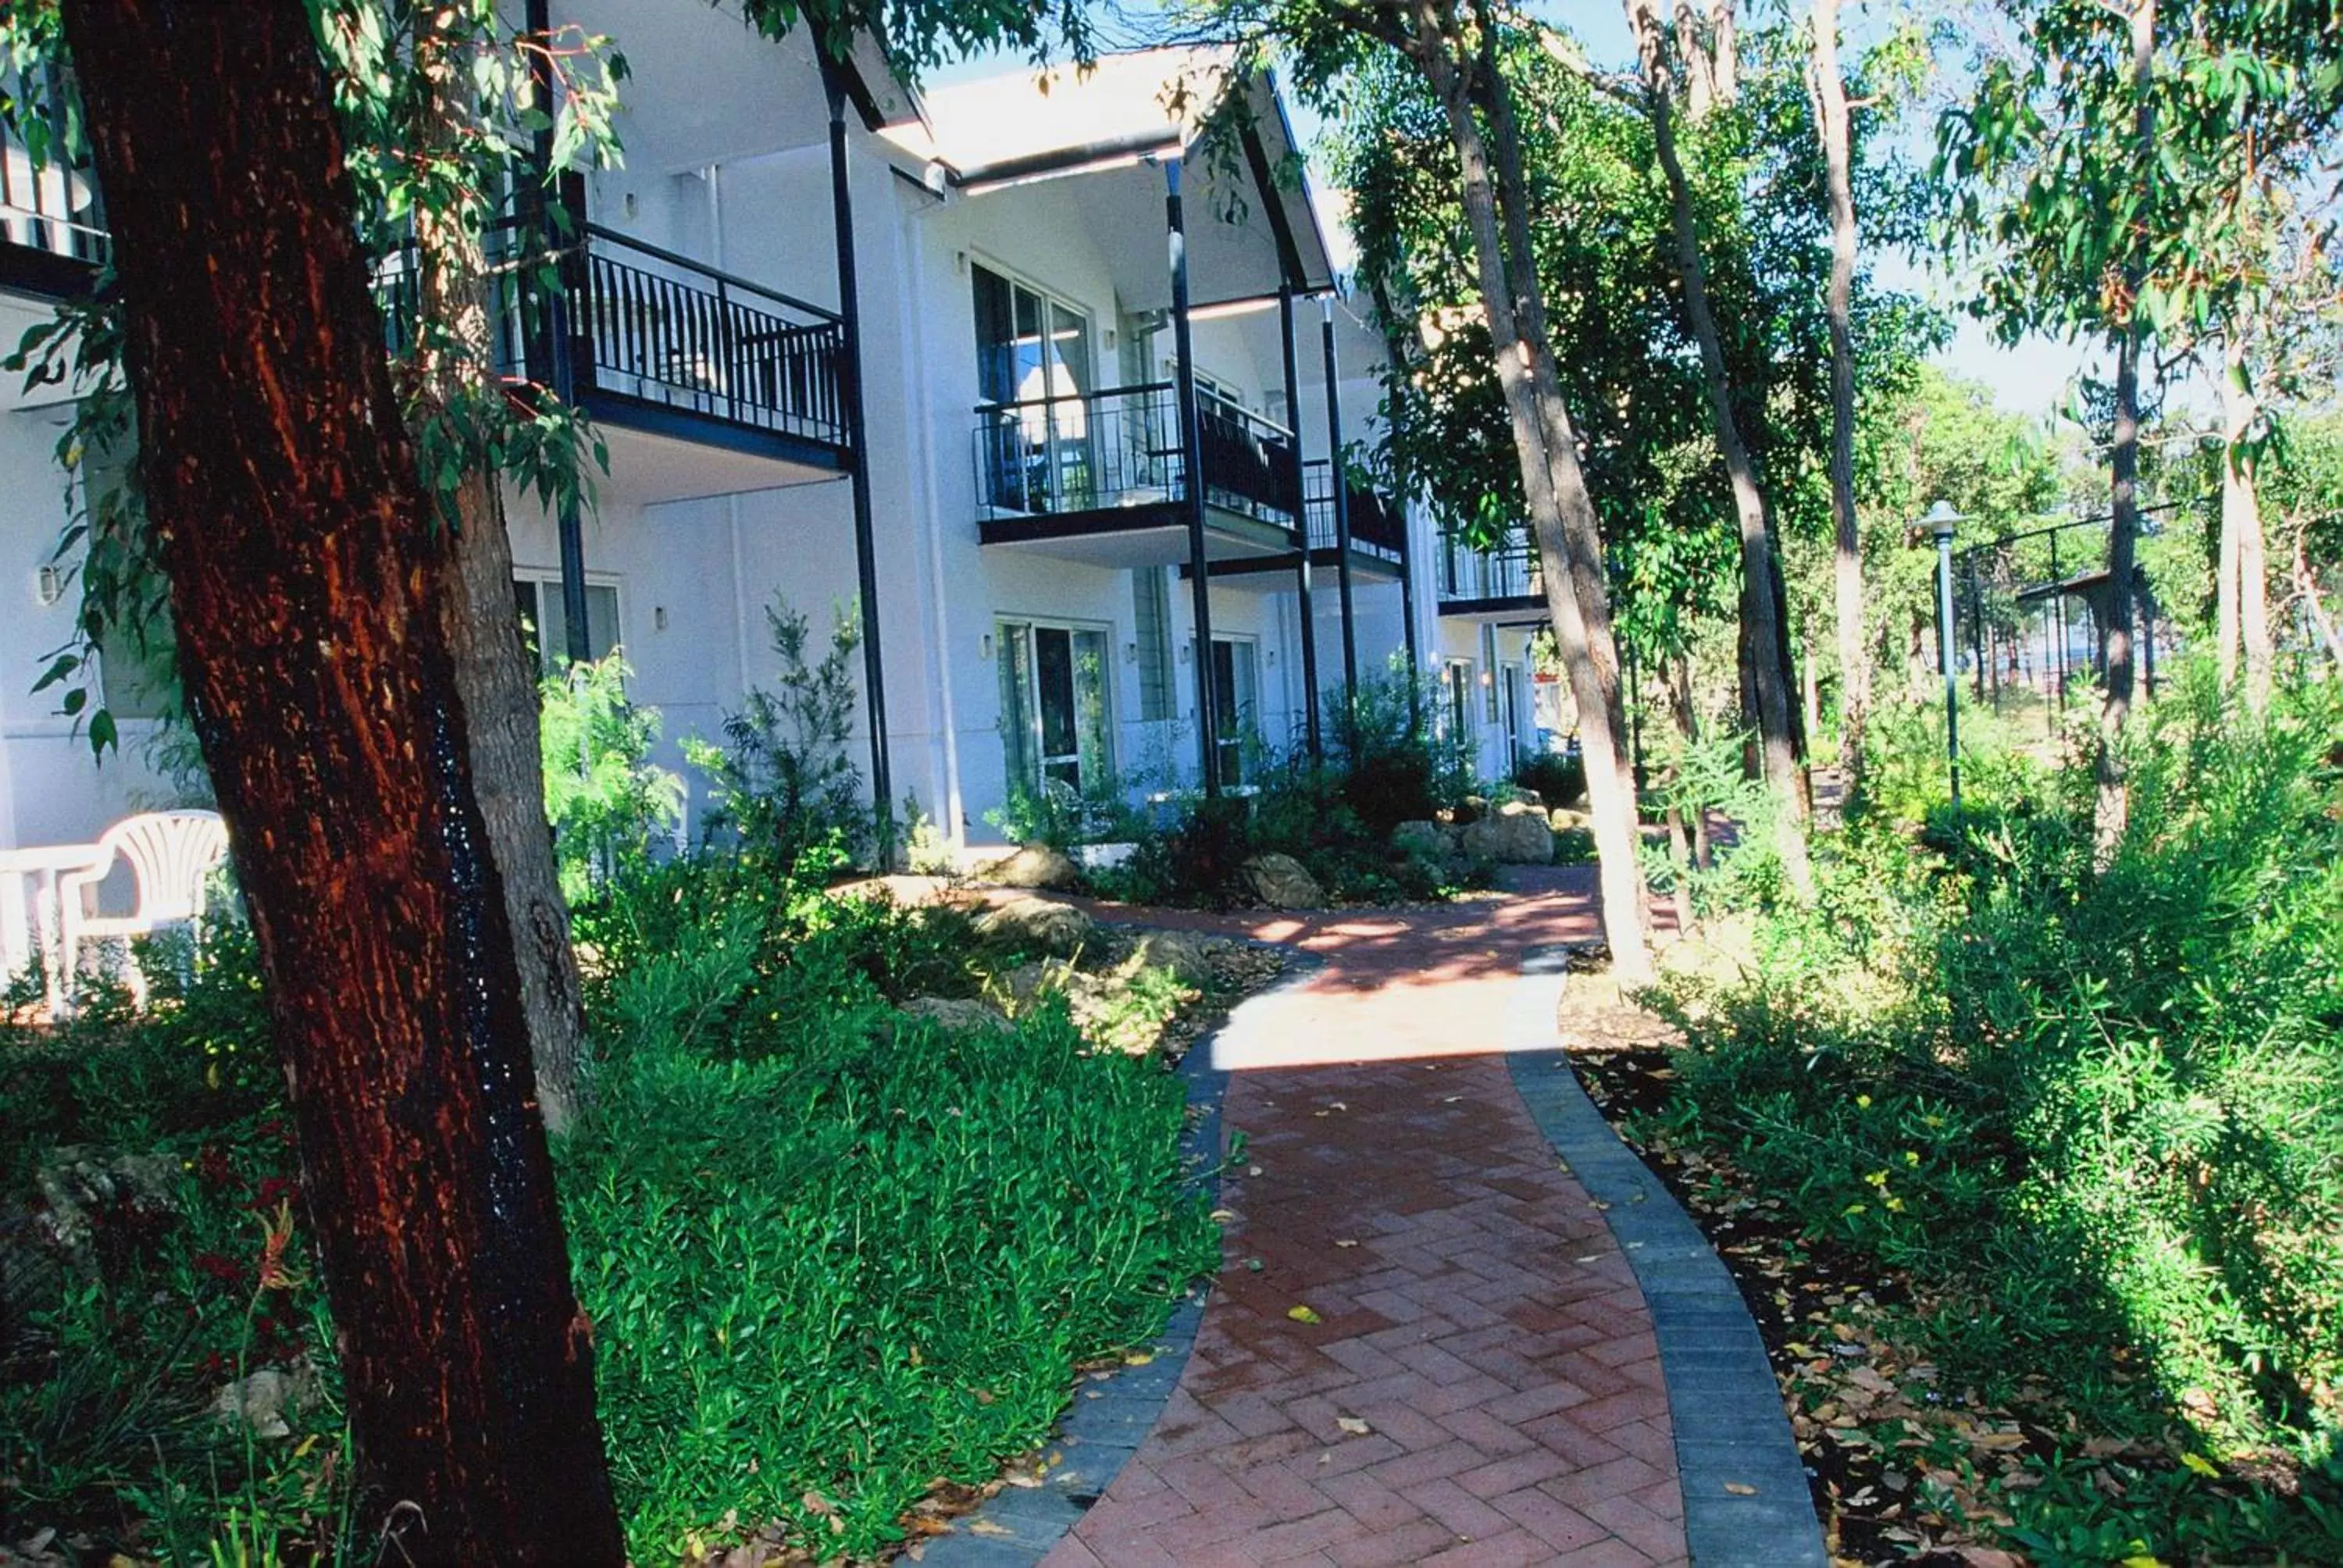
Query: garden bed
[[864, 1193]]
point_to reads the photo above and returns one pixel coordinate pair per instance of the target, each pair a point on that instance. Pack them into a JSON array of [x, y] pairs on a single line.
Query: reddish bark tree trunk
[[307, 578]]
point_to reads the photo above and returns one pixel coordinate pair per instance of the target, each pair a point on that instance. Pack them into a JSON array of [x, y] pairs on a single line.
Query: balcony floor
[[694, 457], [1508, 609], [1154, 534]]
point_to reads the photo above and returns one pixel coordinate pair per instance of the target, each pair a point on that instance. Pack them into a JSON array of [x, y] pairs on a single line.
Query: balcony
[[1505, 585], [1101, 477], [52, 226], [1378, 526], [663, 346]]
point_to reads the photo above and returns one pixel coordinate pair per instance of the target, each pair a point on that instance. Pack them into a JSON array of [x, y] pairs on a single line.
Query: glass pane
[[1053, 679], [1016, 708], [995, 338], [1091, 700], [602, 620]]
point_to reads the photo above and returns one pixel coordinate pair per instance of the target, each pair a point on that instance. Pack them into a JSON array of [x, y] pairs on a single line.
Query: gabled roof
[[1023, 126]]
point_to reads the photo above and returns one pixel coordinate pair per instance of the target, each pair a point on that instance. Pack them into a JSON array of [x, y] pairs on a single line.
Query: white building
[[1027, 559]]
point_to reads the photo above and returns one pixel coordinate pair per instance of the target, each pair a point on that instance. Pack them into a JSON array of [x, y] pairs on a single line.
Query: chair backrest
[[172, 854]]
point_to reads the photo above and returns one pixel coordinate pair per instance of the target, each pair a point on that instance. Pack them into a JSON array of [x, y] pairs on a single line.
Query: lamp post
[[1941, 521]]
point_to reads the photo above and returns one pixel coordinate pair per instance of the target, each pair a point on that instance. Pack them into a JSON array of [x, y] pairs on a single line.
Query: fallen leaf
[[1354, 1425], [986, 1527], [1303, 1315], [1740, 1489], [1346, 1241], [2201, 1464]]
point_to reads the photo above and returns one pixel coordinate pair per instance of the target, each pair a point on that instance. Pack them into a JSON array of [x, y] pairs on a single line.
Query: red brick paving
[[1479, 1321]]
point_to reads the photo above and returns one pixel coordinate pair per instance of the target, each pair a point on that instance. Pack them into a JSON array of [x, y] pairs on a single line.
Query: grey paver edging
[[1112, 1416], [1745, 1498]]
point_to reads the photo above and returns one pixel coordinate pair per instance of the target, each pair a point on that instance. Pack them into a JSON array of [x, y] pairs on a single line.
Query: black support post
[[1339, 480], [866, 553], [1316, 737], [550, 348], [1192, 449]]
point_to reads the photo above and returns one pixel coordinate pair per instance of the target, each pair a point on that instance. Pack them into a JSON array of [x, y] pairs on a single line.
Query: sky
[[2031, 378]]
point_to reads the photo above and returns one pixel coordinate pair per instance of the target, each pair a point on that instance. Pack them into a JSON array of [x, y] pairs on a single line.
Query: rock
[[956, 1011], [262, 1401], [80, 1187], [1029, 983], [1033, 866], [1516, 836], [1516, 794], [1563, 820], [1425, 840], [1188, 955], [1467, 811], [1281, 882], [1037, 924]]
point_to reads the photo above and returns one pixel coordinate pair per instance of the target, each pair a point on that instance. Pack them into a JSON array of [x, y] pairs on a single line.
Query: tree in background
[[1459, 56], [306, 577], [2098, 174]]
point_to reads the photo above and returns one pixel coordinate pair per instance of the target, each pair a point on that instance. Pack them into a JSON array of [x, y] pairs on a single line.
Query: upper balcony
[[1504, 584], [720, 383], [52, 226], [1101, 477], [1378, 525]]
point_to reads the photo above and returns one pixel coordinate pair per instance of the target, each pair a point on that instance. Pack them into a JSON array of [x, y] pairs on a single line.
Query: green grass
[[833, 1254]]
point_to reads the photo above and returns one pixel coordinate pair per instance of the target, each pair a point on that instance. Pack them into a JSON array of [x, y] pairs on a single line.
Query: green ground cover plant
[[834, 1252], [2095, 1105]]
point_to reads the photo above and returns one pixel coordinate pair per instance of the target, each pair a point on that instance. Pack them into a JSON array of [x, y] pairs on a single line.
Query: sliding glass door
[[1236, 701], [1053, 705], [1033, 363]]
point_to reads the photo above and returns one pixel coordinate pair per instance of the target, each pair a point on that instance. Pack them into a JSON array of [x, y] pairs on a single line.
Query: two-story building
[[1036, 381]]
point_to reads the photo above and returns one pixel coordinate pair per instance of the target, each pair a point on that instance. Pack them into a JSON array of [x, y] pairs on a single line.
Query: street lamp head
[[1942, 520]]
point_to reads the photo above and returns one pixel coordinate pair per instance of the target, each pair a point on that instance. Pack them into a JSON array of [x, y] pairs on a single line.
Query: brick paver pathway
[[1476, 1319]]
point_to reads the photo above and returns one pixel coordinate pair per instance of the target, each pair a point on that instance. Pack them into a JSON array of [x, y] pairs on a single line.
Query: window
[[1151, 597], [547, 633], [1457, 679], [1033, 358], [1236, 701], [1489, 664], [1053, 705]]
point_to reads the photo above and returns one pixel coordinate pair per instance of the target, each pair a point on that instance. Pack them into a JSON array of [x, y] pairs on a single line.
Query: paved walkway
[[1482, 1384]]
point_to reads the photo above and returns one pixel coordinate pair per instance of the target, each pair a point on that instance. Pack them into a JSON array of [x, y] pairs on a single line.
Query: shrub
[[2103, 1104], [602, 794], [1559, 777], [783, 782]]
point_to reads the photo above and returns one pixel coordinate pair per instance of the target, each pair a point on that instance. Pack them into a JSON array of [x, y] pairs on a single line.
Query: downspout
[[866, 553], [1191, 444]]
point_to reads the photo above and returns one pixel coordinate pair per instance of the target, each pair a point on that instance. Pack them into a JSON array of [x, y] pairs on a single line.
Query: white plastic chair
[[171, 855]]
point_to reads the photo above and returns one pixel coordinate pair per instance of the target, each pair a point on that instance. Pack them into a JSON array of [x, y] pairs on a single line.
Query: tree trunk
[[1561, 512], [306, 575], [2123, 533], [1776, 717], [2243, 593], [2305, 585], [492, 670], [1854, 667]]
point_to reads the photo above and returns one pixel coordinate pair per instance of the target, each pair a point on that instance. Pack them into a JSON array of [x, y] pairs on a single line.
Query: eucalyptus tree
[[1457, 51], [306, 572], [2096, 170]]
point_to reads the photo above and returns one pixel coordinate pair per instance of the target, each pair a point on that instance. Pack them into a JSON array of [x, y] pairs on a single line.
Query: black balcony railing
[[648, 325], [1376, 524], [1509, 571], [1121, 448], [49, 196]]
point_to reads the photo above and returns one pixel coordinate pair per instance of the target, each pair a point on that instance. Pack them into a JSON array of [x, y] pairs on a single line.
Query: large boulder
[[956, 1011], [1188, 955], [1281, 882], [1426, 840], [1515, 835], [81, 1187], [1032, 866], [1037, 924]]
